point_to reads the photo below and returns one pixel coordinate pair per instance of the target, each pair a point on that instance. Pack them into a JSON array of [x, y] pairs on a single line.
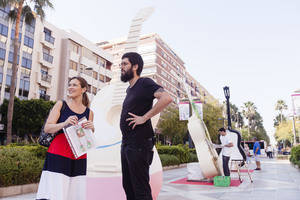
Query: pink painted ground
[[110, 188]]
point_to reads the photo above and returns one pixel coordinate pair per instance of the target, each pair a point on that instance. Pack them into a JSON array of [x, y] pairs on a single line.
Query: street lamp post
[[294, 131], [227, 96], [293, 116]]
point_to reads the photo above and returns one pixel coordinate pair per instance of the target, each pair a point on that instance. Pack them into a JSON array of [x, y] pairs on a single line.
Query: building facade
[[161, 64], [48, 57]]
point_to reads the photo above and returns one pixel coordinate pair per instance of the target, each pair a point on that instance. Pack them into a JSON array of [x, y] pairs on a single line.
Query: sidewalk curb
[[174, 166], [18, 190]]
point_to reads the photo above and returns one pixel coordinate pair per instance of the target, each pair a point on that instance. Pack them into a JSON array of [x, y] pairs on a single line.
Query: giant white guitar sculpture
[[104, 174], [209, 162]]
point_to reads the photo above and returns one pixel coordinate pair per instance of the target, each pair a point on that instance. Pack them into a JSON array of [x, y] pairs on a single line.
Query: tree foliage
[[212, 116], [280, 106], [29, 115], [284, 131], [278, 119], [171, 126]]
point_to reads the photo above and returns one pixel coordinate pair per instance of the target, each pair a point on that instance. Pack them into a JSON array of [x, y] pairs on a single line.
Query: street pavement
[[278, 180]]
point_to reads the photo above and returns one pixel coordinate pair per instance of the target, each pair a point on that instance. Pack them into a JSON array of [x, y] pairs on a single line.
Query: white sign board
[[199, 107], [296, 104], [184, 110]]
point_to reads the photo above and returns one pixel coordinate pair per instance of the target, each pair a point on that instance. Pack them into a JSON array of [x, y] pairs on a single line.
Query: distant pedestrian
[[269, 151], [247, 152], [256, 153]]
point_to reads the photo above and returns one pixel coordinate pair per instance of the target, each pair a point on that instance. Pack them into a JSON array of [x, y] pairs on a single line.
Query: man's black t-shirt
[[139, 100]]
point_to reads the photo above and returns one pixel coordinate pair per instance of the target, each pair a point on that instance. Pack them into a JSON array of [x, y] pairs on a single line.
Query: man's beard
[[127, 76]]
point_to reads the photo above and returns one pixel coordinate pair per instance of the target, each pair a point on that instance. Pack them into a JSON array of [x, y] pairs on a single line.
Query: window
[[95, 75], [88, 54], [73, 65], [89, 88], [48, 36], [44, 72], [2, 53], [94, 90], [47, 31], [8, 80], [26, 63], [30, 27], [11, 57], [3, 30], [100, 61], [12, 35], [3, 14], [46, 50], [164, 73], [26, 85], [48, 57], [24, 88], [101, 78], [107, 79], [1, 77], [75, 47], [28, 41]]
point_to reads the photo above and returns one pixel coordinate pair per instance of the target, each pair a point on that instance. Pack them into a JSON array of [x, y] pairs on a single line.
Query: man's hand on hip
[[136, 120]]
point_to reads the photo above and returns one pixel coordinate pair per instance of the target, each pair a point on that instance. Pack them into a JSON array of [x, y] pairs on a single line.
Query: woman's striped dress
[[63, 177]]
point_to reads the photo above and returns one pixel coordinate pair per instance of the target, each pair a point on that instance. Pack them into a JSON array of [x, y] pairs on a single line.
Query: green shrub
[[168, 160], [295, 155], [193, 157], [193, 151], [21, 164], [180, 151]]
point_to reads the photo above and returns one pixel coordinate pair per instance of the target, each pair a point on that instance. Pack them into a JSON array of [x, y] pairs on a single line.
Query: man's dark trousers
[[225, 165], [136, 160]]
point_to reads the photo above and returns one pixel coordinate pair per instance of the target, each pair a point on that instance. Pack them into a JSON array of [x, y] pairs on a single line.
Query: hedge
[[193, 157], [168, 160], [21, 164], [180, 151], [295, 155]]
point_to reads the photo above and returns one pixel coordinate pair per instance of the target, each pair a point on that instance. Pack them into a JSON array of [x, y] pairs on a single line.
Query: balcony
[[48, 57], [45, 97], [49, 39], [46, 77]]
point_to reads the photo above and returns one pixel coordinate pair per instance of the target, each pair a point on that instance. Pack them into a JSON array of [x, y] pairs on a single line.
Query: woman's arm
[[51, 125], [89, 124]]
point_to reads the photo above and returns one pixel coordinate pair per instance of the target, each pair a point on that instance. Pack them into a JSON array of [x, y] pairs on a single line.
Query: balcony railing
[[46, 77], [48, 57], [49, 38], [45, 97]]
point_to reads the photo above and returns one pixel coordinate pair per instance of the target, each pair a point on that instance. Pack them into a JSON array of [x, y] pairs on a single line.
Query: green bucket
[[222, 181]]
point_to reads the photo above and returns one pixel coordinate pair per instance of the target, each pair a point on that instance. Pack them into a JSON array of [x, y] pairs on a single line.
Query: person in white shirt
[[226, 145]]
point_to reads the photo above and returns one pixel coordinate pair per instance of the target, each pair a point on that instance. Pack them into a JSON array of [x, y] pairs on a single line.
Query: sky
[[252, 46]]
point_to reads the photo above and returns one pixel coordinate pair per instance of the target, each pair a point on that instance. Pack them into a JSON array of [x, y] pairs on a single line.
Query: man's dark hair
[[222, 129], [135, 58]]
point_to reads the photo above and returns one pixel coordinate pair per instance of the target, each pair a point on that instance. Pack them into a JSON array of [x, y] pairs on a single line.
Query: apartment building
[[161, 63], [48, 57]]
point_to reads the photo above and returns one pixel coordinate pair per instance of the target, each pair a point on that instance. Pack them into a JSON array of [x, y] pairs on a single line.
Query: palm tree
[[280, 106], [249, 111], [20, 8]]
